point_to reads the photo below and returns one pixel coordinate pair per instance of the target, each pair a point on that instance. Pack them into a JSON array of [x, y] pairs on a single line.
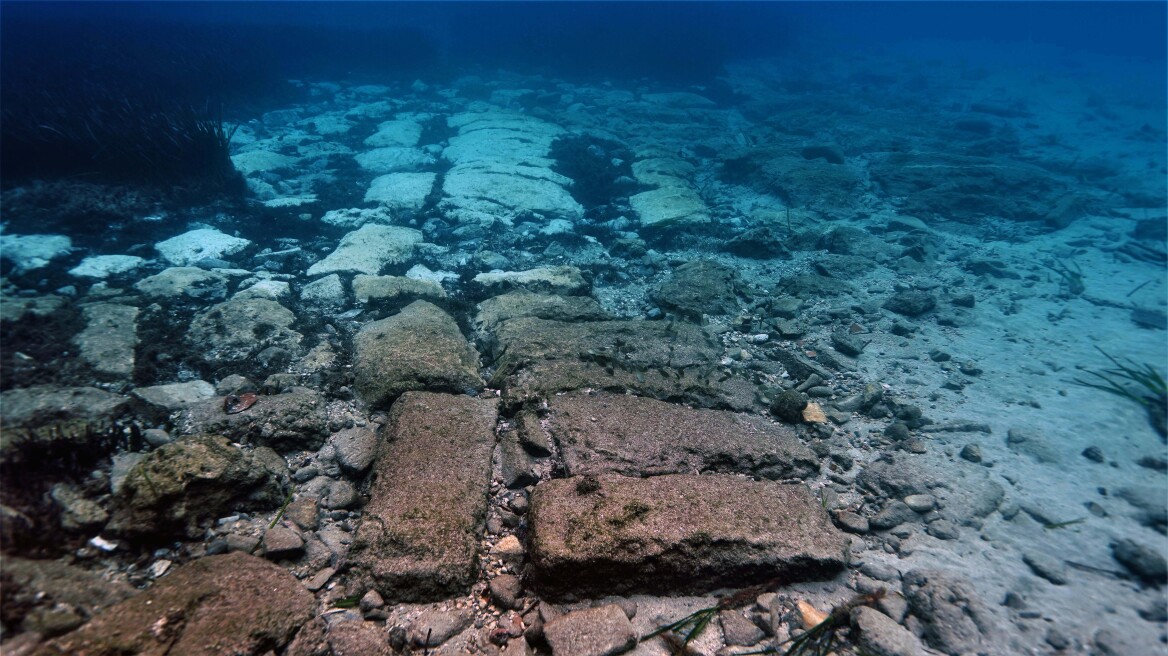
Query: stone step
[[634, 436], [418, 539], [676, 534]]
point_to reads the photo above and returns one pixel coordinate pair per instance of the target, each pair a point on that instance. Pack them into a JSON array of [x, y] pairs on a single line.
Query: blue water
[[1008, 160]]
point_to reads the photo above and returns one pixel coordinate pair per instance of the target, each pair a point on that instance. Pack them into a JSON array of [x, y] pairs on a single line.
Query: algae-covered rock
[[177, 488], [420, 348]]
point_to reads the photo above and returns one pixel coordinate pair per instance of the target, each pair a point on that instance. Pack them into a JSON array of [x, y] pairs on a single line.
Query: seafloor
[[518, 364]]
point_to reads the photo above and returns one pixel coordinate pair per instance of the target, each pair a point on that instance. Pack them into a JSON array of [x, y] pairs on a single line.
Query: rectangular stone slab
[[676, 534], [669, 360], [418, 539], [634, 436]]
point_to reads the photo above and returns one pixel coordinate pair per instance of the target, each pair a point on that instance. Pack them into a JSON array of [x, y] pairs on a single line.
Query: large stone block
[[418, 540], [670, 360], [676, 534], [420, 348], [634, 436], [230, 604]]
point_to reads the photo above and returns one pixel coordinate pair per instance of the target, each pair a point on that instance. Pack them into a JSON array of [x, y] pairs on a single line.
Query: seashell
[[236, 403], [809, 615]]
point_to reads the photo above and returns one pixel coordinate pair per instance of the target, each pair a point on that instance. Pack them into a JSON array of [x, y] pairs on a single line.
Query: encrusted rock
[[418, 539], [697, 532], [179, 486], [296, 419]]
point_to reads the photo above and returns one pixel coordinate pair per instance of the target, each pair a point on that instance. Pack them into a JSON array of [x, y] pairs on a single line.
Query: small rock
[[1046, 566], [971, 452], [788, 406], [943, 529], [737, 629], [911, 303], [244, 543], [880, 634], [921, 503], [282, 542], [355, 448], [371, 600], [435, 626], [341, 494], [156, 437], [1094, 454], [319, 580], [601, 631], [508, 549], [1146, 563], [304, 513], [892, 515], [506, 591], [851, 522]]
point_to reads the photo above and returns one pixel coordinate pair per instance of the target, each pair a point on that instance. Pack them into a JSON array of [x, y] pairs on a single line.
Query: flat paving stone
[[634, 436], [671, 360], [676, 534], [418, 539]]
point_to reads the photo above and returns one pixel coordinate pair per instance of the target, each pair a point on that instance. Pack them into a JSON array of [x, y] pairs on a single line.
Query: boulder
[[235, 331], [108, 341], [513, 305], [206, 243], [174, 490], [296, 419], [368, 250], [189, 282]]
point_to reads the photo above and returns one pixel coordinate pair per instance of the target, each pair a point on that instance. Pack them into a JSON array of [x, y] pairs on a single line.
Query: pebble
[[921, 503], [971, 452], [851, 522], [319, 580], [598, 631], [892, 515]]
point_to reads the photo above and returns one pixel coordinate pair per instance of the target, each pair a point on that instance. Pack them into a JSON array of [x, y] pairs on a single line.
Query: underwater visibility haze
[[583, 328]]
